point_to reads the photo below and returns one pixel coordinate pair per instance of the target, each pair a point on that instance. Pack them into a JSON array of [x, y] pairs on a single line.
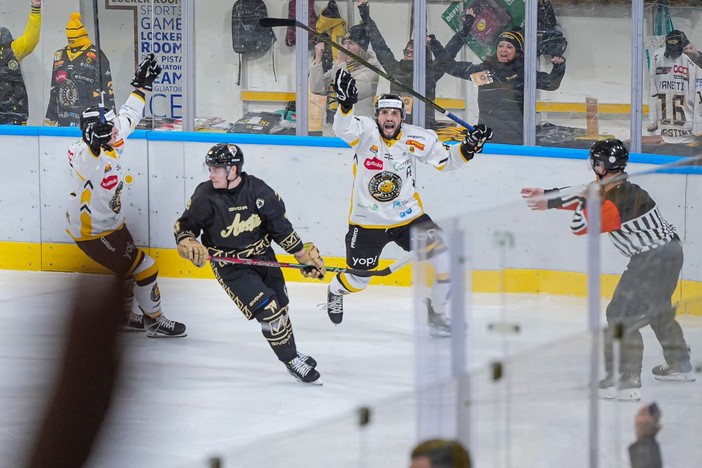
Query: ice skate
[[679, 373], [135, 322], [627, 389], [161, 327], [335, 307], [309, 360], [439, 324], [303, 372]]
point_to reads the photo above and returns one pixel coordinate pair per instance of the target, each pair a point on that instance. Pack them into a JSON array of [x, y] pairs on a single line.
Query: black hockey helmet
[[389, 101], [611, 153], [225, 155], [96, 114]]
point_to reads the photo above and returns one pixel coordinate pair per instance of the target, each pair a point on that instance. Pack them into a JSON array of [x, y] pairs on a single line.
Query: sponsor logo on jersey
[[108, 168], [91, 55], [416, 137], [238, 208], [415, 144], [109, 182], [57, 55], [259, 203], [60, 76], [369, 261], [373, 164], [398, 166], [253, 301], [369, 207], [385, 186], [353, 238], [406, 213], [681, 69], [374, 149], [663, 70]]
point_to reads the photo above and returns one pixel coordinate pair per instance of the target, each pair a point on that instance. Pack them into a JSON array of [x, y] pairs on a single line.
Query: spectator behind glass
[[78, 78], [675, 109], [500, 79], [356, 41], [14, 104], [645, 452], [402, 70], [440, 453]]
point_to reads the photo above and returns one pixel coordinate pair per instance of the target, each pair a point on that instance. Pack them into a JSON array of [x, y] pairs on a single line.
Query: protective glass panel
[[672, 81], [592, 101]]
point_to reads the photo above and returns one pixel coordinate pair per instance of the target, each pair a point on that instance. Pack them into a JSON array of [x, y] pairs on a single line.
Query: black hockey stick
[[99, 51], [273, 22], [409, 258]]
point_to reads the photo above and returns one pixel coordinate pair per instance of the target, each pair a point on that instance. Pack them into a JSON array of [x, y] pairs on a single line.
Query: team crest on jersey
[[385, 186], [259, 203], [373, 164], [415, 144]]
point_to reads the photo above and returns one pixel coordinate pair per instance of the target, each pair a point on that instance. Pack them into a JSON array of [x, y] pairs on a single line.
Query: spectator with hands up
[[386, 203]]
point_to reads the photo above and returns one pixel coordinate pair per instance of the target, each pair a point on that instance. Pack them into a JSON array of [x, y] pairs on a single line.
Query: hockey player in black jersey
[[642, 297], [238, 215]]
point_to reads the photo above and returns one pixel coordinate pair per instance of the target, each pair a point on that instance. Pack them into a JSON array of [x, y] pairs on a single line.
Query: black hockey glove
[[345, 88], [146, 73], [98, 135], [474, 141]]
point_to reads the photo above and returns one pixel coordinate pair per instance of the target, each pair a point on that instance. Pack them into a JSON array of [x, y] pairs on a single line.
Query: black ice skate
[[135, 322], [309, 360], [439, 324], [161, 327], [627, 389], [335, 307], [303, 372], [679, 373]]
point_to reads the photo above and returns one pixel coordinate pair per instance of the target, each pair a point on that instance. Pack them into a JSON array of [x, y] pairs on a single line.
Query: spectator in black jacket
[[402, 70], [645, 452], [500, 79]]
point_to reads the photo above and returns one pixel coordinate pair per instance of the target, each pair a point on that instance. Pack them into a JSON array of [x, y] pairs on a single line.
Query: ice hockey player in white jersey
[[675, 82], [385, 204], [96, 221]]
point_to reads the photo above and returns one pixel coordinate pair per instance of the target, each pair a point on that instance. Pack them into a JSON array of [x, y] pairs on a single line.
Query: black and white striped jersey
[[629, 215]]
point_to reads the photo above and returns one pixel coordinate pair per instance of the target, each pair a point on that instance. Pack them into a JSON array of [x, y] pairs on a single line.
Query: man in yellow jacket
[[14, 105]]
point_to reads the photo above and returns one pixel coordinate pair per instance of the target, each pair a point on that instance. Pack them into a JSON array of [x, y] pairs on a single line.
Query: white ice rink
[[221, 392]]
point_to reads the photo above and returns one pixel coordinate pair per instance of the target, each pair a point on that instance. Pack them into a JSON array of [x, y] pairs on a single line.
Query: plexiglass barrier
[[518, 375]]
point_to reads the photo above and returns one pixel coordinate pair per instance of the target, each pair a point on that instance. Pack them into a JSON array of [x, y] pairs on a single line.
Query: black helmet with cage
[[389, 101], [225, 155], [611, 153]]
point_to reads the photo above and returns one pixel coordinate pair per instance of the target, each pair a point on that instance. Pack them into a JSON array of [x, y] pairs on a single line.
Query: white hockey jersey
[[95, 207], [384, 193], [675, 97]]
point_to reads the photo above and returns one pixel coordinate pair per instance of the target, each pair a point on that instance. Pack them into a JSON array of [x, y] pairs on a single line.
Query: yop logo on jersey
[[373, 164]]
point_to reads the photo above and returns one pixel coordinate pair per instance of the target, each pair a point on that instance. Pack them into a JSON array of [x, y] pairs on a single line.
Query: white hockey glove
[[345, 88], [191, 249], [146, 73], [309, 255], [474, 140]]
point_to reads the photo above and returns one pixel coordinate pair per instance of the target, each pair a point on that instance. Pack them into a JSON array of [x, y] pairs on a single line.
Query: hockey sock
[[277, 329], [146, 291]]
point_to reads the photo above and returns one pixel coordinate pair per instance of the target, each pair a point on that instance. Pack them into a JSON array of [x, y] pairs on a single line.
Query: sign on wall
[[158, 29]]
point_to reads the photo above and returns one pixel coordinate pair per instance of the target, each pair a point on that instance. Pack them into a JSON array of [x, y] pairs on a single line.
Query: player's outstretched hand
[[475, 139], [309, 255], [146, 72], [534, 197], [190, 249], [345, 88], [97, 135]]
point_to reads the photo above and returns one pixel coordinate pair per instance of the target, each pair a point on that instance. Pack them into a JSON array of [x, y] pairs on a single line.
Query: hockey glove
[[98, 135], [474, 141], [345, 88], [146, 73], [309, 255], [191, 249]]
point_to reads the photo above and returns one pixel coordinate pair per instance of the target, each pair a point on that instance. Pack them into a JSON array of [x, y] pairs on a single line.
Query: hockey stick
[[409, 258], [99, 51], [273, 22]]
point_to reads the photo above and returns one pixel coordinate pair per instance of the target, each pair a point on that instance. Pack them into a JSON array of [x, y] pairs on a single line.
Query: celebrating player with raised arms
[[385, 201], [95, 218]]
